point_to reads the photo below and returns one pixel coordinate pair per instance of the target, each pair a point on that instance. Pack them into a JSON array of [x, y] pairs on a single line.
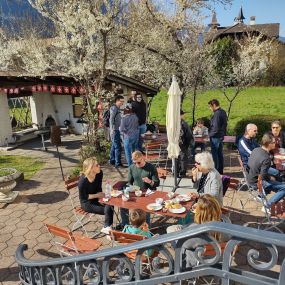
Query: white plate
[[116, 194], [184, 197], [198, 136], [177, 211], [154, 207]]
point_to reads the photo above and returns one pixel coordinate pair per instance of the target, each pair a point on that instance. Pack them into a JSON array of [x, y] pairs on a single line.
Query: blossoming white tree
[[240, 63]]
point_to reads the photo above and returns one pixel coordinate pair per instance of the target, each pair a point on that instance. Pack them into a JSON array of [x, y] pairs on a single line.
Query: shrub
[[263, 123]]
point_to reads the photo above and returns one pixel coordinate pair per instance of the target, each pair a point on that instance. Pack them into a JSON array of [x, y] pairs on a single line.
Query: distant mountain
[[282, 39], [18, 16]]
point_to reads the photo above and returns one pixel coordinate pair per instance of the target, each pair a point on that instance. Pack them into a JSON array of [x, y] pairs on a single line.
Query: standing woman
[[129, 129], [90, 190]]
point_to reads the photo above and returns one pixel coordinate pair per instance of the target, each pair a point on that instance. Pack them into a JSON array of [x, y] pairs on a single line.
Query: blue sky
[[265, 11]]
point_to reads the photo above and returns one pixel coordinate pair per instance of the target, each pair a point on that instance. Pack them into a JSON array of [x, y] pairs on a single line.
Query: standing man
[[185, 141], [139, 108], [247, 143], [217, 132], [259, 163], [115, 122]]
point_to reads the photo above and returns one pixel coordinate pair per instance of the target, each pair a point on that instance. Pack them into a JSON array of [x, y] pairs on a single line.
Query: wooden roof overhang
[[18, 86]]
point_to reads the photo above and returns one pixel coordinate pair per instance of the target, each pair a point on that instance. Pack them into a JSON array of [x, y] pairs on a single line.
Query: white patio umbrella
[[173, 124]]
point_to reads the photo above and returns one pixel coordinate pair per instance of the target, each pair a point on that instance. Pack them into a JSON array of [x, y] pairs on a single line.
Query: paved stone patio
[[44, 199]]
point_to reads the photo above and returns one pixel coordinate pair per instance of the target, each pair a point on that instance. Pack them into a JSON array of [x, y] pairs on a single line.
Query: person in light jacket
[[206, 178]]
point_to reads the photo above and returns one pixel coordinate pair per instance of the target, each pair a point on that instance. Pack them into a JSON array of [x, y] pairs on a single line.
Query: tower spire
[[214, 23], [240, 17]]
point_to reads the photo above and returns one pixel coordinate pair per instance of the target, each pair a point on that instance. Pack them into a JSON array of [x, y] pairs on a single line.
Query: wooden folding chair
[[119, 237], [82, 217], [233, 188], [162, 174], [69, 243], [273, 217], [209, 251], [154, 152]]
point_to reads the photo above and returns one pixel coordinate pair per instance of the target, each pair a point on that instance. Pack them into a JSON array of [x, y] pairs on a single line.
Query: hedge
[[263, 123]]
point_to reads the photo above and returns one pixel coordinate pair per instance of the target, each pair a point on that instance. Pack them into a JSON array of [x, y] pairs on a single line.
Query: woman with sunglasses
[[206, 178], [90, 190]]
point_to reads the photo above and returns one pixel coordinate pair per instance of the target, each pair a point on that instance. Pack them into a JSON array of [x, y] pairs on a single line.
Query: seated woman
[[90, 190], [206, 178], [207, 210]]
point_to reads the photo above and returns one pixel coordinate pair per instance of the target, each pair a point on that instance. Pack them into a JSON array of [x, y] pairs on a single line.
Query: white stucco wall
[[58, 106], [5, 124]]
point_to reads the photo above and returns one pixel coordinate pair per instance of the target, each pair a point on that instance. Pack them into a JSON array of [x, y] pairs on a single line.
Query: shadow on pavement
[[46, 198]]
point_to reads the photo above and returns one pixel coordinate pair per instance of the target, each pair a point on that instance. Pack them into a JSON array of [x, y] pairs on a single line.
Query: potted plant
[[7, 184]]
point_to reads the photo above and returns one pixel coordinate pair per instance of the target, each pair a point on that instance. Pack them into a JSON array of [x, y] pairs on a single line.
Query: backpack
[[106, 118]]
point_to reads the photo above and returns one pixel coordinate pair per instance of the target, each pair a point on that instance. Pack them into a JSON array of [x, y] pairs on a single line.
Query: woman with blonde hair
[[206, 179], [90, 190], [207, 210]]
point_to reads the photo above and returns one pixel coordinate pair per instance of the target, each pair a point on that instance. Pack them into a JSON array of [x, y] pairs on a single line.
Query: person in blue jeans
[[259, 163], [217, 132], [129, 129], [115, 122]]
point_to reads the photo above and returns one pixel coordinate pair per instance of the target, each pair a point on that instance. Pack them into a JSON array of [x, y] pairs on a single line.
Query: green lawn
[[28, 165], [253, 101]]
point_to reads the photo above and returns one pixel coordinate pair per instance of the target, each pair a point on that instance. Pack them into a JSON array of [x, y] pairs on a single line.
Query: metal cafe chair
[[69, 243]]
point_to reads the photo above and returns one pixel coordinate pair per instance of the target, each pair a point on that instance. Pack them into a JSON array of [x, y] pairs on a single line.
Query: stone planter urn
[[7, 184]]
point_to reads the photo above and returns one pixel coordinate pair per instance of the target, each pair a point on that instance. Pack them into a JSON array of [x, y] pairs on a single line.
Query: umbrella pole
[[176, 182], [59, 160]]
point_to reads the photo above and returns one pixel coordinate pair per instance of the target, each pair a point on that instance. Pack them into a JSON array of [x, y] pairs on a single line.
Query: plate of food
[[154, 207], [116, 193], [198, 136], [184, 197], [177, 210]]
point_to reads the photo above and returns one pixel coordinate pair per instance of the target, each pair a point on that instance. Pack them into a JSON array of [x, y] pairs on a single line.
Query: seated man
[[142, 174], [247, 143], [278, 134], [258, 164]]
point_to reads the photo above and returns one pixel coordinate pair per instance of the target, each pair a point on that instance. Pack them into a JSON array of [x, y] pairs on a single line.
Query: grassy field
[[253, 101], [28, 165]]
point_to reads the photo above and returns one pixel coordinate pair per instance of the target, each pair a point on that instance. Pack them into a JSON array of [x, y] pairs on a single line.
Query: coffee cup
[[138, 193], [170, 195], [125, 198], [159, 201]]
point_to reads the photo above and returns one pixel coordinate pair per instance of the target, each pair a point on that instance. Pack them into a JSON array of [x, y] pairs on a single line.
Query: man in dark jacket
[[185, 141], [247, 143], [217, 132], [139, 108]]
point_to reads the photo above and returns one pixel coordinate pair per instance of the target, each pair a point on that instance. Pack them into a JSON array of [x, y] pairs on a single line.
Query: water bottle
[[108, 190]]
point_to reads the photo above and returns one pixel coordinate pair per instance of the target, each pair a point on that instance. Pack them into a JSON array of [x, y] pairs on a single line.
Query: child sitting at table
[[199, 131], [138, 225]]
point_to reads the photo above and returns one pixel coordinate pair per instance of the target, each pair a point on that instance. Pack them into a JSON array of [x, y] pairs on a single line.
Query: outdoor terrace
[[44, 199]]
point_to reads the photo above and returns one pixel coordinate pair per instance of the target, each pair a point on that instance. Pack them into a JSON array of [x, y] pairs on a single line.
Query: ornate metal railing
[[263, 251]]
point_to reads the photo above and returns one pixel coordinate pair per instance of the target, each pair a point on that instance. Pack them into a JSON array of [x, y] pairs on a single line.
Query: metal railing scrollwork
[[262, 251]]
